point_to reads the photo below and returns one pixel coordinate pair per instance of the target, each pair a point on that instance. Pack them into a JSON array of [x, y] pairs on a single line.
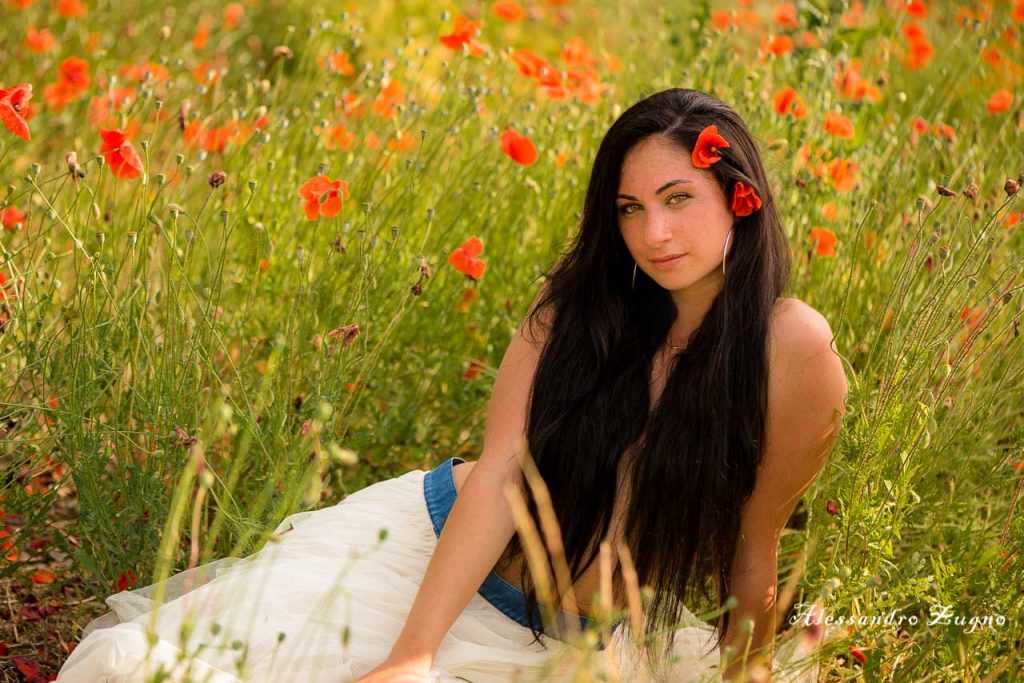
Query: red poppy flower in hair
[[744, 199], [705, 150]]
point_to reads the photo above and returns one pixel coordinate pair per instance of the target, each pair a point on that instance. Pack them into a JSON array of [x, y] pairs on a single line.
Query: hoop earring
[[633, 285], [726, 246]]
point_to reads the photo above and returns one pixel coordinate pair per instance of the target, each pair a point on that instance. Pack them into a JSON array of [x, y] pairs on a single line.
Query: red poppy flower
[[12, 106], [473, 371], [464, 259], [705, 150], [825, 240], [12, 217], [858, 654], [787, 100], [744, 199], [320, 196], [509, 10], [463, 34], [1000, 101], [69, 9], [838, 125], [43, 576], [119, 154], [126, 580], [4, 294], [39, 40], [519, 147], [233, 13]]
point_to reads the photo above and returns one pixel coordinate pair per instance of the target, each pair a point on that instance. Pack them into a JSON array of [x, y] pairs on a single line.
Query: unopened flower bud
[[1011, 187], [217, 178], [971, 191]]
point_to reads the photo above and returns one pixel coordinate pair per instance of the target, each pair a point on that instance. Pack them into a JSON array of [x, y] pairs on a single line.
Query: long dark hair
[[590, 398]]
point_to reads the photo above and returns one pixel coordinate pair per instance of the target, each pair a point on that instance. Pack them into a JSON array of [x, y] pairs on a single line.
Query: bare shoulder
[[807, 391], [798, 327]]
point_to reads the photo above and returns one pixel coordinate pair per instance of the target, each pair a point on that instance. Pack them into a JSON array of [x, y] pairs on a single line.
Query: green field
[[190, 350]]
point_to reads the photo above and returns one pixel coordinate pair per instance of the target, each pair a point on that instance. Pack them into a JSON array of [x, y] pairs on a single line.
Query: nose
[[657, 229]]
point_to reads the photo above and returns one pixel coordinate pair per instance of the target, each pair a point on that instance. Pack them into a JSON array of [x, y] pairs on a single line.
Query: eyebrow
[[659, 190]]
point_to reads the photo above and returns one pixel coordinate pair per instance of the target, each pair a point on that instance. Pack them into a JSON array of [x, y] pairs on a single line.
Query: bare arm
[[480, 523], [806, 391]]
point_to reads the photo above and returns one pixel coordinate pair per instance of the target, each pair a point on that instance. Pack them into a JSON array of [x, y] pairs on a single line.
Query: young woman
[[671, 400]]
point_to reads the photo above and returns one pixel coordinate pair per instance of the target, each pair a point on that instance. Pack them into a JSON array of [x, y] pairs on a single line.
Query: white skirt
[[280, 614]]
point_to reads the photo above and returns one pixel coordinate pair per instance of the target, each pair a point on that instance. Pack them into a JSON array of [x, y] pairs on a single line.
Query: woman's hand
[[399, 671]]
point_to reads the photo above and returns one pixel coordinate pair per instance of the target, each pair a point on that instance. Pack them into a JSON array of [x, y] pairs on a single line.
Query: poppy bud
[[1011, 187], [282, 52], [971, 191], [217, 178], [945, 191], [417, 289], [831, 507]]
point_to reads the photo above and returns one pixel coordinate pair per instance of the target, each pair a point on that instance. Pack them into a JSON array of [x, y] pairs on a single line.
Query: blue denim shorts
[[439, 491]]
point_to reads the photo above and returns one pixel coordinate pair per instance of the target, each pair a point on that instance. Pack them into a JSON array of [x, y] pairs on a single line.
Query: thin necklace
[[675, 347]]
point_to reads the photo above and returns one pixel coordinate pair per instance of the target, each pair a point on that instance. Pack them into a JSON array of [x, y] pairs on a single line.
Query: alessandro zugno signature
[[810, 614]]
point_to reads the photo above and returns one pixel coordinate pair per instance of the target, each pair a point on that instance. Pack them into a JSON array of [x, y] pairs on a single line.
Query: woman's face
[[667, 207]]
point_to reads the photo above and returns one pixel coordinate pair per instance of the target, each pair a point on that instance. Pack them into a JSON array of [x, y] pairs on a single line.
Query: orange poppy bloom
[[70, 9], [390, 95], [473, 371], [838, 125], [119, 154], [339, 137], [321, 196], [201, 35], [508, 10], [13, 102], [338, 63], [744, 199], [916, 9], [786, 100], [233, 13], [43, 576], [216, 139], [463, 33], [576, 53], [126, 580], [464, 259], [784, 15], [824, 239], [705, 149], [72, 81], [39, 40], [143, 70], [519, 147], [402, 141], [945, 130], [721, 19], [529, 63], [8, 546], [842, 173], [1000, 101], [779, 46], [12, 218]]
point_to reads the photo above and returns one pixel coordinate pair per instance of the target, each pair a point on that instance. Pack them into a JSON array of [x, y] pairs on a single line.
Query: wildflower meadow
[[258, 255]]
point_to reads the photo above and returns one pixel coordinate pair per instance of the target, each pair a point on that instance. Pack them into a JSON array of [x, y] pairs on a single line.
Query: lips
[[667, 258]]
